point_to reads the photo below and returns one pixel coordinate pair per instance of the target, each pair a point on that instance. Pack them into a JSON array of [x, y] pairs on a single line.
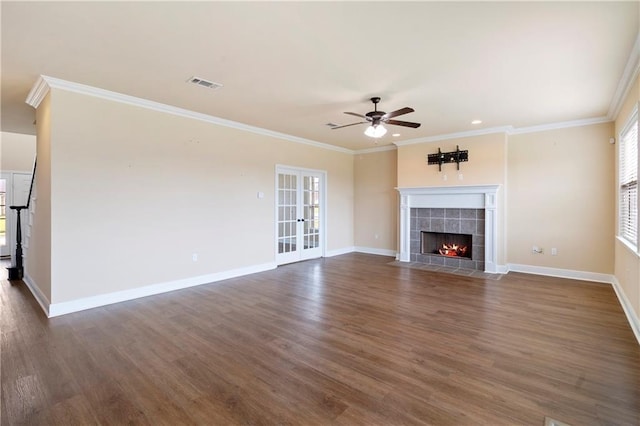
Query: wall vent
[[204, 83]]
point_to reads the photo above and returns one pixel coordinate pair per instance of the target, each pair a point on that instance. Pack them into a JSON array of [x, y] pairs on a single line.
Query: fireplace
[[470, 210], [446, 244], [449, 237]]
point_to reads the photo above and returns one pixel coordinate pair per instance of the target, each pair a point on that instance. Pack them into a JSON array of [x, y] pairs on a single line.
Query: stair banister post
[[16, 271]]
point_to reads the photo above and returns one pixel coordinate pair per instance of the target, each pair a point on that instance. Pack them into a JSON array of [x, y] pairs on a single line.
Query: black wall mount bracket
[[441, 158]]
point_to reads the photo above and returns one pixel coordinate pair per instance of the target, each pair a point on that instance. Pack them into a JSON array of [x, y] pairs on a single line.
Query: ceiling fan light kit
[[377, 131], [375, 119]]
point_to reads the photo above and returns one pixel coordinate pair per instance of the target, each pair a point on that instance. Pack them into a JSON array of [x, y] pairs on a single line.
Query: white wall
[[376, 201], [17, 151], [135, 192], [560, 196]]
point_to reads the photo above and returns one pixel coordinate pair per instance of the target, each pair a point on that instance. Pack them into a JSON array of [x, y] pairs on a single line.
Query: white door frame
[[281, 168]]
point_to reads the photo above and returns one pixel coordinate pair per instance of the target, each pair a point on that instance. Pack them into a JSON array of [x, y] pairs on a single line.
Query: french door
[[300, 213]]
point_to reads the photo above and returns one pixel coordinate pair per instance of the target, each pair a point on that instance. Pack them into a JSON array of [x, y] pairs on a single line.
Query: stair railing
[[16, 270]]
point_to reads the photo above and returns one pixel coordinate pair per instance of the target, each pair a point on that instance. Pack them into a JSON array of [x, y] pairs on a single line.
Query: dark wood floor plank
[[74, 411], [348, 340]]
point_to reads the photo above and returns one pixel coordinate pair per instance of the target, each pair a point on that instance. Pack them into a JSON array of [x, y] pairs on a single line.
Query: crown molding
[[376, 149], [46, 83], [560, 125], [509, 130], [627, 80], [38, 92], [458, 135]]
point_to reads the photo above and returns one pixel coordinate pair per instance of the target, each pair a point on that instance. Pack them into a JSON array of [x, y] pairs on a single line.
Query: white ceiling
[[292, 67]]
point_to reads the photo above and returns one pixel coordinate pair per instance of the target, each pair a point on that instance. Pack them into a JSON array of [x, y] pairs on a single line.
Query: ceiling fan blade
[[401, 111], [357, 115], [403, 123], [347, 125]]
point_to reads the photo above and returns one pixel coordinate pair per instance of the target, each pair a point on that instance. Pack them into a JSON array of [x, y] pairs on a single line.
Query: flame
[[452, 250]]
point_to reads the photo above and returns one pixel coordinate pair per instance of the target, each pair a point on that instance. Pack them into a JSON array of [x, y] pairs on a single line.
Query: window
[[628, 178]]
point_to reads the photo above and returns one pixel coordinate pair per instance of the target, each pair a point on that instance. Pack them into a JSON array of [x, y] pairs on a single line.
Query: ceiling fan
[[376, 118]]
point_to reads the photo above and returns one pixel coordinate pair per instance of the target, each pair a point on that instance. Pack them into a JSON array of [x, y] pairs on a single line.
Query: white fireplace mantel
[[461, 197]]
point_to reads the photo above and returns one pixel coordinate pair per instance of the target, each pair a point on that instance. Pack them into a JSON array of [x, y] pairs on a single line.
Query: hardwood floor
[[345, 340]]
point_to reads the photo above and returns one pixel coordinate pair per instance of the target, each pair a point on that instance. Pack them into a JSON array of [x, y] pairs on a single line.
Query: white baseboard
[[338, 252], [561, 273], [42, 300], [358, 249], [502, 269], [57, 309], [371, 250], [632, 317]]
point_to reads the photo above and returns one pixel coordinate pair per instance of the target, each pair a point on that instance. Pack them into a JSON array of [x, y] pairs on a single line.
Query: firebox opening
[[446, 244]]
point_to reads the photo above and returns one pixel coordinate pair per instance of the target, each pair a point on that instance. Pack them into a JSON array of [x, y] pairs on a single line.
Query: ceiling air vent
[[204, 83]]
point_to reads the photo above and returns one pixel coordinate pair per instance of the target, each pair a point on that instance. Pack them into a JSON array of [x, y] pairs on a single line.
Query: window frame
[[628, 187]]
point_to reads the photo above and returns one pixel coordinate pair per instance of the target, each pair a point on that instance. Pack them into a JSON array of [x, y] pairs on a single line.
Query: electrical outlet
[[194, 257], [554, 251]]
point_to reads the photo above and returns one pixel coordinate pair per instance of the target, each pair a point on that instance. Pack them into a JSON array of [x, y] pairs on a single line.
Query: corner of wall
[[627, 307], [42, 300]]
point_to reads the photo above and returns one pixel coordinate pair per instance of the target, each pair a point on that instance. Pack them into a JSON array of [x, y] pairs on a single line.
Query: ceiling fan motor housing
[[375, 116]]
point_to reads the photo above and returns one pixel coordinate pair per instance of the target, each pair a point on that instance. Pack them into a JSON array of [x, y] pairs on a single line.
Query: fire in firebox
[[446, 244], [453, 250]]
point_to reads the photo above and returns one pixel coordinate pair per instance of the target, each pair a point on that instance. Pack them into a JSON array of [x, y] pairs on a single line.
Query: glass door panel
[[287, 218], [311, 209]]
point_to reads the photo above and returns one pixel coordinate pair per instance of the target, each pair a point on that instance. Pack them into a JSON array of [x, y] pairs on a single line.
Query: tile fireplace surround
[[452, 197], [466, 224]]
